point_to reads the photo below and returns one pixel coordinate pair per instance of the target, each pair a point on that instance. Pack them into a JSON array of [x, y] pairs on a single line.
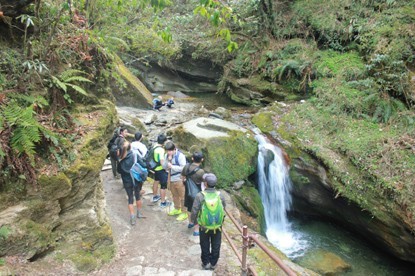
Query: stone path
[[156, 245]]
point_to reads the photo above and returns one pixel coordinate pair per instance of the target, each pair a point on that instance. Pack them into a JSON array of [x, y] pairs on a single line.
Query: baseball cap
[[210, 179]]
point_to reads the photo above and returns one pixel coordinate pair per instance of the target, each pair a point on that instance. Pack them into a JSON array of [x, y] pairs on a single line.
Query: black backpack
[[149, 159]]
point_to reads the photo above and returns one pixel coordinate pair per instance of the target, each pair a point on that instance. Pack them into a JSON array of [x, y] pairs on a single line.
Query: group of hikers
[[193, 190], [158, 103]]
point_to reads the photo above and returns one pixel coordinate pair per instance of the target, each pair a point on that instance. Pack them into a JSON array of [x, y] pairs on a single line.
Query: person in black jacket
[[131, 185]]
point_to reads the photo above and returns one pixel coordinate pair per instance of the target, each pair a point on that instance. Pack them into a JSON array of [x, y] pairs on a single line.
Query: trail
[[156, 245]]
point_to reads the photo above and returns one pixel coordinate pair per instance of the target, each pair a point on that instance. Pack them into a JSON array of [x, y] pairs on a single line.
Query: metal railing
[[247, 242]]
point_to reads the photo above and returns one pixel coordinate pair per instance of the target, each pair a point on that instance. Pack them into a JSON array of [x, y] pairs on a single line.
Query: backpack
[[112, 141], [192, 189], [151, 163], [212, 213], [115, 148], [137, 171]]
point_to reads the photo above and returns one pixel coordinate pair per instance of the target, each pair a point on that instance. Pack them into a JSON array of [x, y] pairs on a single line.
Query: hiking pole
[[168, 187]]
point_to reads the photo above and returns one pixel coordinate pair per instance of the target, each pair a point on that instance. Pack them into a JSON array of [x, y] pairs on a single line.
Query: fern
[[68, 79], [29, 99], [27, 131]]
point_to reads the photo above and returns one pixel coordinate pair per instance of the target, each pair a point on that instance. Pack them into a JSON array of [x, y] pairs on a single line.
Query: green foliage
[[27, 131], [4, 232], [67, 79]]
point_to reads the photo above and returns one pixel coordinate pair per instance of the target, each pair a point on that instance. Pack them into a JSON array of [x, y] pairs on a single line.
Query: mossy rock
[[229, 150], [250, 202], [263, 120]]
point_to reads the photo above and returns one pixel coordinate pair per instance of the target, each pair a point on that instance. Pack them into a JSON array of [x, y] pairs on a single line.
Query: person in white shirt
[[137, 146]]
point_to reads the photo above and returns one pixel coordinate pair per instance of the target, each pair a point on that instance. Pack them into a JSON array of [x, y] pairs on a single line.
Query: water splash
[[274, 187]]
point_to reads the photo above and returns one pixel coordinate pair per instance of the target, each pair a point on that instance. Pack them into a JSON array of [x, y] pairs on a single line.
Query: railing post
[[245, 250]]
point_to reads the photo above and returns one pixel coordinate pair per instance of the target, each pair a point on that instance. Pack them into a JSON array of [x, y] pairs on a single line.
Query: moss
[[353, 151], [263, 121], [55, 186], [264, 265], [232, 158], [249, 200], [331, 63], [84, 261]]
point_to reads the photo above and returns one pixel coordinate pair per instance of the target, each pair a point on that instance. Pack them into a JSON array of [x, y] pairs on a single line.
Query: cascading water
[[274, 187]]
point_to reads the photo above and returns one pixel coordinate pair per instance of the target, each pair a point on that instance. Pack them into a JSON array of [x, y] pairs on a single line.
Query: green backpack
[[211, 214]]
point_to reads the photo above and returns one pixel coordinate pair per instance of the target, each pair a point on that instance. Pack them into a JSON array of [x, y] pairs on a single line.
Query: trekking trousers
[[210, 245], [177, 190]]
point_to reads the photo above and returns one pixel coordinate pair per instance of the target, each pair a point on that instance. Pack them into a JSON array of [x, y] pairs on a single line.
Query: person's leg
[[139, 203], [180, 191], [163, 186], [216, 239], [156, 183], [114, 166], [175, 193], [130, 195], [205, 248]]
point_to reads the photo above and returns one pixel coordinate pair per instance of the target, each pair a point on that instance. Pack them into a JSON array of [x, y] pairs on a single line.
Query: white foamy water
[[274, 187]]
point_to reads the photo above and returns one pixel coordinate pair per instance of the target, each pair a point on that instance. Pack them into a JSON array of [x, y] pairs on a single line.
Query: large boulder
[[230, 151]]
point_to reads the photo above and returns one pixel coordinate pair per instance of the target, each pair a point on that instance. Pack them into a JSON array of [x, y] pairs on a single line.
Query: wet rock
[[238, 185], [151, 118], [177, 94], [325, 262]]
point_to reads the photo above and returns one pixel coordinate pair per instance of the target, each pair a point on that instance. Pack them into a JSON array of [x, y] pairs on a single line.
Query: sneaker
[[190, 225], [132, 220], [212, 267], [206, 266], [175, 212], [140, 215], [196, 234], [164, 204], [182, 217], [156, 198]]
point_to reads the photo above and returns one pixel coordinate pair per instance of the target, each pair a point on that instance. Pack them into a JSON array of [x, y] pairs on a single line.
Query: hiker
[[119, 141], [131, 185], [138, 146], [174, 163], [196, 173], [109, 145], [160, 174], [210, 238], [170, 102], [158, 103]]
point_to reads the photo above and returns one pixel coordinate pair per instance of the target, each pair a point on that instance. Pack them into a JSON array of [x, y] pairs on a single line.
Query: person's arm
[[177, 168]]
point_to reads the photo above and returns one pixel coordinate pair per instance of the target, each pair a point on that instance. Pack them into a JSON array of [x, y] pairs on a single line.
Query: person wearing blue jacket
[[131, 185]]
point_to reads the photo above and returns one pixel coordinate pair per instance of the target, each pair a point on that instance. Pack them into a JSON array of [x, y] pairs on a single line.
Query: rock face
[[135, 94], [230, 150], [313, 195], [186, 75], [66, 212]]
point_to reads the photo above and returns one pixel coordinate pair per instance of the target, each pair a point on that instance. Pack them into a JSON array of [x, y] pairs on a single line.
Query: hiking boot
[[132, 220], [206, 266], [175, 212], [196, 234], [156, 198], [182, 217], [190, 225]]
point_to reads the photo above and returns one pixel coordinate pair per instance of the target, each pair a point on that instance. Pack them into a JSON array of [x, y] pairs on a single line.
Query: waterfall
[[274, 187]]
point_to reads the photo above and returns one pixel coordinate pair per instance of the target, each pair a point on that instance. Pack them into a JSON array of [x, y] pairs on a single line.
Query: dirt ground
[[157, 244]]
